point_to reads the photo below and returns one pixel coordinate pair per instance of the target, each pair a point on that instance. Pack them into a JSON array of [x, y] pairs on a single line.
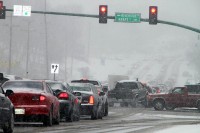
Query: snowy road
[[122, 120]]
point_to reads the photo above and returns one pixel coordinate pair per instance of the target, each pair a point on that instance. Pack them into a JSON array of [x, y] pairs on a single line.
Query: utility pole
[[27, 50], [46, 43], [10, 47]]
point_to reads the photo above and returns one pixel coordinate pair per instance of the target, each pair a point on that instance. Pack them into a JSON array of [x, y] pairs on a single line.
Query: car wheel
[[122, 104], [48, 121], [8, 128], [78, 115], [158, 105], [57, 119], [70, 118], [198, 106], [106, 110], [170, 107], [126, 104], [94, 114], [134, 103], [101, 113]]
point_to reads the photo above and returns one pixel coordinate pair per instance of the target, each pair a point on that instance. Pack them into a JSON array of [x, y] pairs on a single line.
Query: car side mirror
[[101, 94], [105, 89], [77, 94], [9, 92]]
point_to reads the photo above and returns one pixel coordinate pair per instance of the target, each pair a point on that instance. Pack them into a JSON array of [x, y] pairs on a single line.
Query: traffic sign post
[[128, 17], [54, 69]]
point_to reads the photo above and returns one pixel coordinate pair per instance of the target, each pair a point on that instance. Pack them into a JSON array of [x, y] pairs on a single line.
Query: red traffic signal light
[[2, 10], [153, 10], [103, 11], [153, 13]]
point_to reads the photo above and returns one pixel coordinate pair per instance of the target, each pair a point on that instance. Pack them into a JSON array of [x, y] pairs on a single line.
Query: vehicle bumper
[[65, 108], [87, 109], [33, 110]]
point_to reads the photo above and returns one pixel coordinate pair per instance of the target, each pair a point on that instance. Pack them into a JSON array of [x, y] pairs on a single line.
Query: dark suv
[[128, 92]]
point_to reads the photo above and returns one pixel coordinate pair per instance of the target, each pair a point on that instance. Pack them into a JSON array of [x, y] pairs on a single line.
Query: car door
[[4, 106], [2, 97], [176, 97], [142, 92]]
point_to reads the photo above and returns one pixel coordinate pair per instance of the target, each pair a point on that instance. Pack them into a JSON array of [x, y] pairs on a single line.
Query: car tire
[[57, 119], [94, 114], [106, 109], [78, 115], [48, 121], [158, 105], [8, 128], [70, 118], [126, 104], [198, 105], [134, 102], [122, 104]]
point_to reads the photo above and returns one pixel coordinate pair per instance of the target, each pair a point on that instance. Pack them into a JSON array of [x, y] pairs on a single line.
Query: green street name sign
[[128, 17]]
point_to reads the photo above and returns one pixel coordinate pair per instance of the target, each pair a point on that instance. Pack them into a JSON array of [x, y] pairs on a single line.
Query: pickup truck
[[176, 97], [127, 92]]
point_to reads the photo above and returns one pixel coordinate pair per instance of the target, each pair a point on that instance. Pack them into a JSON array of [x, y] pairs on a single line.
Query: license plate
[[19, 111]]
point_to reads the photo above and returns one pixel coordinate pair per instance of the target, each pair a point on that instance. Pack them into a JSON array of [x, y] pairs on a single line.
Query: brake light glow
[[42, 98], [63, 95], [76, 101], [91, 100]]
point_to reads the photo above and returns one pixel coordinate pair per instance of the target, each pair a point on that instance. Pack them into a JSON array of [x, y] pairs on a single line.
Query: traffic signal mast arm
[[112, 17]]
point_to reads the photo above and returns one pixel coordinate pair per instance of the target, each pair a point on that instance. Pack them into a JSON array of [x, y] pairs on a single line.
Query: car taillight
[[158, 91], [91, 100], [63, 95], [42, 98], [76, 101]]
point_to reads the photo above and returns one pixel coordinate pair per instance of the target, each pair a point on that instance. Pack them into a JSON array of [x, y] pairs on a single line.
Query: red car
[[34, 101]]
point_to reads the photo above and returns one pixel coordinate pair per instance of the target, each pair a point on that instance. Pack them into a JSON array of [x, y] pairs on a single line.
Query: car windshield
[[127, 85], [80, 88], [56, 86], [25, 85]]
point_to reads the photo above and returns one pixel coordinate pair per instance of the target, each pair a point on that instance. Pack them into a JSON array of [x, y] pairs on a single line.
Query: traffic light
[[153, 13], [103, 12], [2, 11]]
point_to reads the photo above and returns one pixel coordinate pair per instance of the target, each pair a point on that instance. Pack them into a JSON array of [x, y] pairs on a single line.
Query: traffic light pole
[[112, 17], [175, 24]]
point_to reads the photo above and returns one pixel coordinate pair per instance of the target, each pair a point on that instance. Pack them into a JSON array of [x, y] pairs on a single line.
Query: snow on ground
[[144, 68], [181, 129]]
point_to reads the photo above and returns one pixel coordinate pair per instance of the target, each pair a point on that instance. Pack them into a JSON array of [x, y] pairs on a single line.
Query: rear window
[[85, 81], [79, 88], [23, 85], [193, 89], [56, 86], [127, 85]]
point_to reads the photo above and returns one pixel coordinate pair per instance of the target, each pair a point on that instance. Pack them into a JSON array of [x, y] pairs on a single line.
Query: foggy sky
[[83, 38]]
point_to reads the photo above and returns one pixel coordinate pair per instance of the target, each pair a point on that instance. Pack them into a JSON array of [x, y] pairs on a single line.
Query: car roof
[[51, 81], [28, 80], [125, 81], [80, 84]]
